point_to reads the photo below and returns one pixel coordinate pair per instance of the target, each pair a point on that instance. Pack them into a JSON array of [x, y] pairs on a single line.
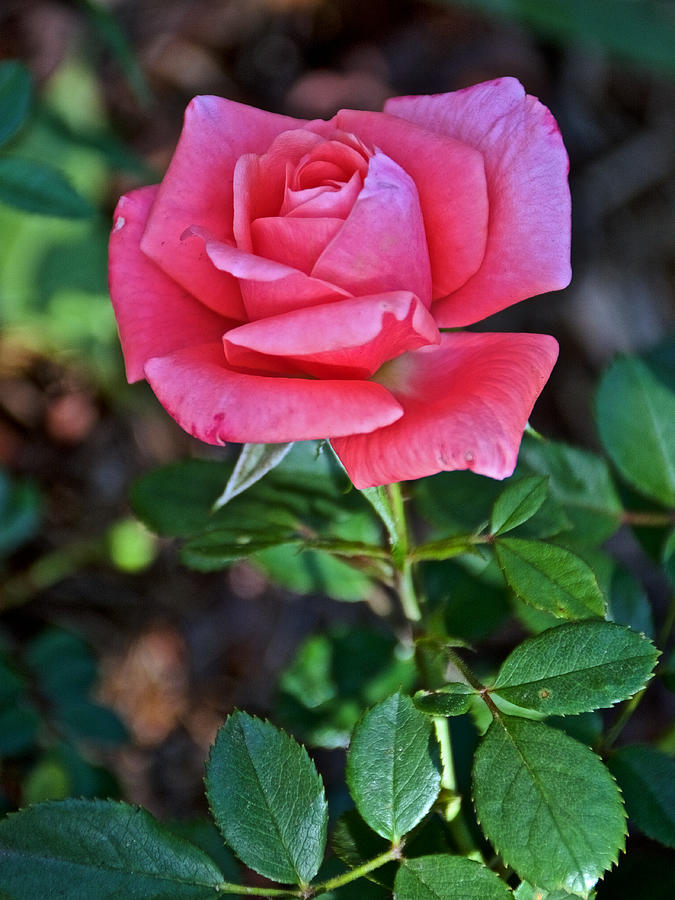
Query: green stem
[[403, 580], [621, 722], [646, 519], [226, 887], [446, 548], [448, 779], [405, 589], [394, 853]]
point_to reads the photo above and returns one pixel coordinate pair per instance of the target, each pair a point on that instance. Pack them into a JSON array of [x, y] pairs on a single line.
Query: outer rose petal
[[450, 180], [382, 246], [466, 404], [197, 190], [216, 404], [350, 339], [526, 165], [155, 316]]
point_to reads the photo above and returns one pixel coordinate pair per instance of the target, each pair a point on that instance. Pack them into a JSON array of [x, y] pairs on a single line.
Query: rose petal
[[334, 200], [450, 180], [350, 339], [216, 404], [528, 244], [197, 190], [293, 240], [260, 181], [155, 316], [268, 287], [382, 246], [466, 404]]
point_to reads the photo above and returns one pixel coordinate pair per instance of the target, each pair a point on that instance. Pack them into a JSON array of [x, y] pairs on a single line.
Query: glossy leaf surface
[[267, 799], [548, 805], [391, 770], [576, 667]]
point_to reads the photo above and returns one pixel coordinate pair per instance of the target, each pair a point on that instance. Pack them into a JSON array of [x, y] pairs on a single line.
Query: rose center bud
[[336, 166]]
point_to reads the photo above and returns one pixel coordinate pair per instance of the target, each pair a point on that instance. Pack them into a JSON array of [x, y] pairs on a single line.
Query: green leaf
[[636, 421], [391, 771], [255, 461], [548, 805], [518, 503], [380, 500], [215, 549], [647, 780], [84, 720], [15, 98], [38, 188], [525, 891], [470, 607], [323, 693], [445, 877], [629, 602], [105, 23], [550, 578], [581, 482], [643, 33], [19, 726], [267, 799], [83, 849], [20, 511], [204, 834], [354, 843], [451, 700], [62, 664], [576, 667]]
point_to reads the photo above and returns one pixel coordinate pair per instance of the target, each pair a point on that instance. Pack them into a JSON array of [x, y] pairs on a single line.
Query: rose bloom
[[289, 280]]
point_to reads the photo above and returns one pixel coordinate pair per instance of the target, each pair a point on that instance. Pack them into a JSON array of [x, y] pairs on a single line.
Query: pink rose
[[287, 280]]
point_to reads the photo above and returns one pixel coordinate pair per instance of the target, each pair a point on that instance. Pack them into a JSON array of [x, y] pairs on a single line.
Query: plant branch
[[226, 887], [394, 853]]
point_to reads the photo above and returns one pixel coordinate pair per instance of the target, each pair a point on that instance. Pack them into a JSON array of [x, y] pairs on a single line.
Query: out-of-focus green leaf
[[83, 849], [38, 188], [391, 771], [518, 503], [576, 667], [355, 843], [48, 780], [19, 728], [105, 23], [647, 780], [63, 665], [20, 511], [581, 482], [322, 693], [15, 98], [550, 578], [267, 799], [445, 877], [640, 31], [92, 722], [470, 607], [204, 834], [628, 602], [636, 421], [548, 805]]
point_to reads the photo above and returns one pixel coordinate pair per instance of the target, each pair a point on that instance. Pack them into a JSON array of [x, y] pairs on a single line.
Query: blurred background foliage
[[91, 102]]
